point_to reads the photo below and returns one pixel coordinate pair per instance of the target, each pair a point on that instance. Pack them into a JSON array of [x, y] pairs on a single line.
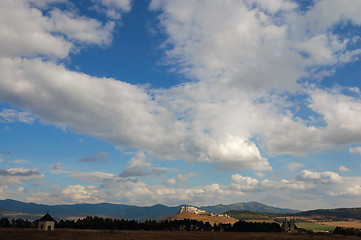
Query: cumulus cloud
[[180, 178], [355, 150], [33, 33], [319, 177], [82, 194], [15, 176], [327, 185], [240, 58], [68, 195], [138, 166], [343, 169]]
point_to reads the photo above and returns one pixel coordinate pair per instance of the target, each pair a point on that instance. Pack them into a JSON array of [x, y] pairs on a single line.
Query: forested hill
[[250, 206], [334, 214], [31, 211]]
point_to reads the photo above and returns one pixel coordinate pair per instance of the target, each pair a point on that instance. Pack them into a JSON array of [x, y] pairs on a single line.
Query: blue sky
[[181, 102]]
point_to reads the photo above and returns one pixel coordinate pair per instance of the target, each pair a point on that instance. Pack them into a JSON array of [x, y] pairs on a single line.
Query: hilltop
[[194, 213]]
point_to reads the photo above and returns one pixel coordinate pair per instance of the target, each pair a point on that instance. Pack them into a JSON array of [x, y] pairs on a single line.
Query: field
[[315, 226], [20, 234], [346, 224]]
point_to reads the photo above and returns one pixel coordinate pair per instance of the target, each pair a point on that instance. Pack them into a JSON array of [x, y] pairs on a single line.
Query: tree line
[[167, 225], [149, 225]]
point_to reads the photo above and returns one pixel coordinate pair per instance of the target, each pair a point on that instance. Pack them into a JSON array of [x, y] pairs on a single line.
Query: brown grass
[[60, 234], [203, 218], [347, 224]]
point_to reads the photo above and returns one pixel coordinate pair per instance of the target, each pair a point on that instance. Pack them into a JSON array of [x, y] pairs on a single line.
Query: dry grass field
[[203, 218], [346, 224], [20, 234]]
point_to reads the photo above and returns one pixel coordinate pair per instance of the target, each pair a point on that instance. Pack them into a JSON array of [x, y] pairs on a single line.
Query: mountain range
[[15, 209]]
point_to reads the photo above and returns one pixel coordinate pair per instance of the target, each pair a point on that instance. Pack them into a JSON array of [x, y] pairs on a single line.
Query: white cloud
[[80, 29], [69, 195], [327, 187], [27, 32], [354, 190], [13, 115], [355, 150], [294, 166], [15, 176], [95, 177], [139, 166], [244, 183], [343, 169], [242, 57], [180, 178], [113, 8], [260, 175], [82, 194], [326, 177]]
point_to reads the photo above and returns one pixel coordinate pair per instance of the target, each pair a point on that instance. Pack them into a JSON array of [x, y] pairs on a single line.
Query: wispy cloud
[[13, 115]]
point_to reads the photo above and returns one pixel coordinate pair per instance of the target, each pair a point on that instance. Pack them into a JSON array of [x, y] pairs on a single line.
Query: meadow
[[346, 224], [67, 234], [315, 226]]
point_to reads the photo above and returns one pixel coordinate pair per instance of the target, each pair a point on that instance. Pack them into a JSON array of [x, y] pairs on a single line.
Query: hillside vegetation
[[252, 215], [338, 214]]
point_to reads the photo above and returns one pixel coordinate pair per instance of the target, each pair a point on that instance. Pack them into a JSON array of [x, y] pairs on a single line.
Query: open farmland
[[346, 224], [20, 234], [315, 226]]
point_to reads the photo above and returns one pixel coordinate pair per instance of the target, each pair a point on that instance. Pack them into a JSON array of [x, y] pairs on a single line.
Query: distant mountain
[[251, 206], [337, 214], [16, 209]]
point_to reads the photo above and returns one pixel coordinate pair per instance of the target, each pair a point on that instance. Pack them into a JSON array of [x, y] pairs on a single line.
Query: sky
[[181, 102]]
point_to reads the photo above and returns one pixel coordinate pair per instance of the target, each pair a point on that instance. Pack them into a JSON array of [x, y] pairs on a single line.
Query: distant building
[[46, 223]]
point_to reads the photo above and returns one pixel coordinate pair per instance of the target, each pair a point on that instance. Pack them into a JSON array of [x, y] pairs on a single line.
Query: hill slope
[[251, 206], [202, 216], [252, 215], [337, 214]]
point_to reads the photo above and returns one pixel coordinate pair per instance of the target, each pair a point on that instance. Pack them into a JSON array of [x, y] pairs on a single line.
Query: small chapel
[[46, 223]]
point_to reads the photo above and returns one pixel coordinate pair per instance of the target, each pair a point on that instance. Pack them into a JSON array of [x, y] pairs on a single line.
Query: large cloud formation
[[251, 65], [240, 63]]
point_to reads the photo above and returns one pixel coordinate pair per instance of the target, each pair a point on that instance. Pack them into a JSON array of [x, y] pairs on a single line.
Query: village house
[[46, 223]]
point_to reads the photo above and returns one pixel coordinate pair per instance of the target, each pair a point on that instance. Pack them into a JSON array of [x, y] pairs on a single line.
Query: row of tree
[[168, 225], [347, 231], [16, 223], [150, 225]]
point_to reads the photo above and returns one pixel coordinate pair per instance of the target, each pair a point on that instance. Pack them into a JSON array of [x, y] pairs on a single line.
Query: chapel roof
[[47, 217]]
